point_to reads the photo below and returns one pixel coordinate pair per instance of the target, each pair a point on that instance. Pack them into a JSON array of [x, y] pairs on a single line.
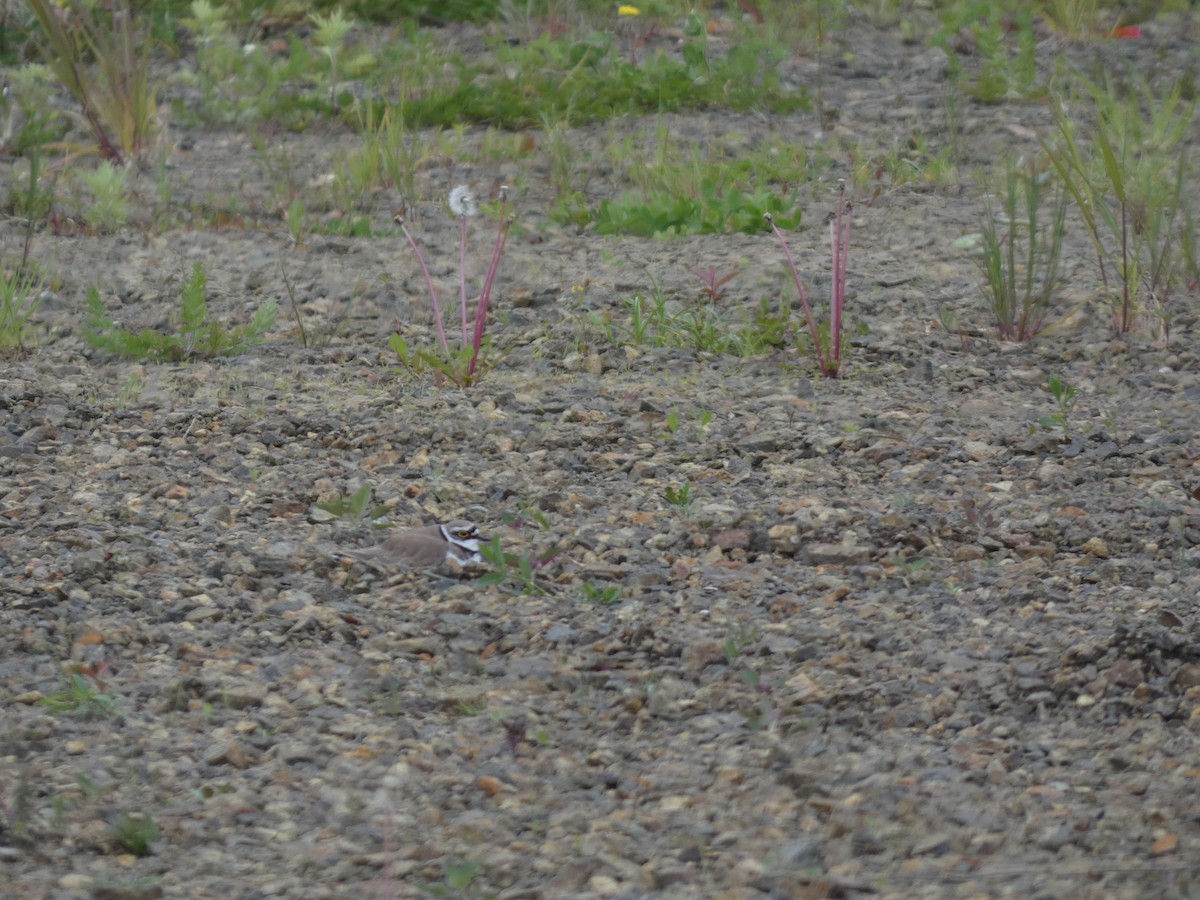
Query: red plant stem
[[839, 232], [1125, 302], [485, 295], [462, 275], [437, 309], [835, 318], [812, 324]]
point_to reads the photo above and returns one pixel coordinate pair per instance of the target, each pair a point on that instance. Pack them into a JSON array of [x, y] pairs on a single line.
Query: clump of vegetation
[[680, 497], [355, 506], [1128, 185], [827, 339], [20, 290], [704, 325], [519, 572], [1021, 253], [714, 211], [107, 185], [1001, 42], [84, 693], [1064, 397], [135, 833], [198, 334], [118, 95], [464, 366]]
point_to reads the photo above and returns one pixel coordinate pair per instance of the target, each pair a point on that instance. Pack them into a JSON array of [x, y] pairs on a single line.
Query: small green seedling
[[679, 497], [602, 596], [20, 291], [135, 833], [355, 506], [1065, 396], [518, 571], [84, 693], [738, 643], [198, 334]]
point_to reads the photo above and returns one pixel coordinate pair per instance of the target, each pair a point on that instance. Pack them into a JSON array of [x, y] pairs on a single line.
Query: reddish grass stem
[[470, 339], [839, 242], [485, 295], [437, 309], [812, 323], [829, 358], [462, 275]]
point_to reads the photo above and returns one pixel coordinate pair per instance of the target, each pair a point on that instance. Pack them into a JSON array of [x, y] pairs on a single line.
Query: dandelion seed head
[[462, 202]]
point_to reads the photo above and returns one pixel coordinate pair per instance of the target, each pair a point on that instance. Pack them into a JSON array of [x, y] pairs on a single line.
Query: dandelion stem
[[437, 309], [812, 323], [485, 295], [840, 244], [462, 275]]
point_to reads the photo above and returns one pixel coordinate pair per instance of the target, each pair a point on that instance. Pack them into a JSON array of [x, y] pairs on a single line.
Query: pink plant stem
[[812, 324], [437, 309], [485, 295], [462, 275], [839, 237]]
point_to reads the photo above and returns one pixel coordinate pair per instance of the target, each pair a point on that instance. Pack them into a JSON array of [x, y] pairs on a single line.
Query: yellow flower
[[627, 10]]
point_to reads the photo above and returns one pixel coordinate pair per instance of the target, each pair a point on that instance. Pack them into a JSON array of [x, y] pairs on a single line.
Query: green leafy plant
[[714, 211], [390, 155], [1002, 40], [1021, 254], [107, 185], [297, 221], [680, 497], [356, 506], [29, 120], [84, 693], [911, 159], [20, 290], [658, 322], [331, 31], [1065, 396], [516, 571], [605, 595], [35, 201], [118, 101], [135, 833], [737, 643], [584, 79], [461, 367], [217, 55], [243, 84], [15, 816], [471, 707], [198, 334], [527, 515], [320, 336], [1077, 19], [827, 343], [456, 882]]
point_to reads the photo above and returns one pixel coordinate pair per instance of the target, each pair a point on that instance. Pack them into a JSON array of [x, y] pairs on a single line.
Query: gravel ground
[[903, 642]]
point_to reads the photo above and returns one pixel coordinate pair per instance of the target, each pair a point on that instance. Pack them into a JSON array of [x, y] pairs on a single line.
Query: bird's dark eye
[[464, 533]]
